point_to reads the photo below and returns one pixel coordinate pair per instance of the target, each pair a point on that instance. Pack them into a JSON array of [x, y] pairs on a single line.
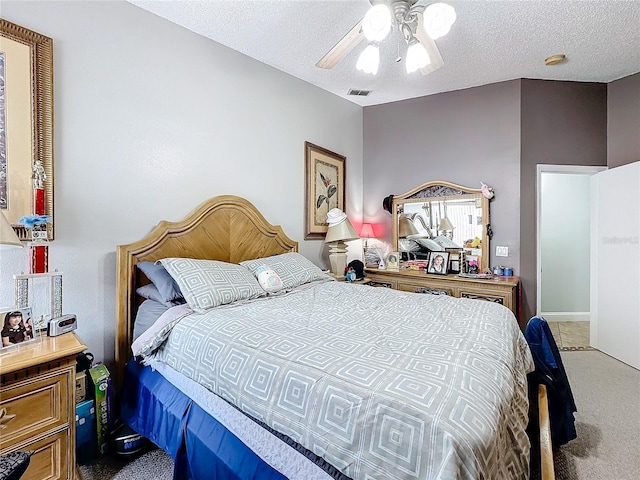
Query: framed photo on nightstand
[[17, 327]]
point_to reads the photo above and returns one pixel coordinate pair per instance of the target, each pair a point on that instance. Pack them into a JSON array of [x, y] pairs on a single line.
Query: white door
[[615, 265], [563, 239]]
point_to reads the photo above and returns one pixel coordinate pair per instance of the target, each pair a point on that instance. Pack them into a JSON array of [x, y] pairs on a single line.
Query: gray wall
[[563, 123], [496, 134], [150, 121], [465, 137], [623, 121]]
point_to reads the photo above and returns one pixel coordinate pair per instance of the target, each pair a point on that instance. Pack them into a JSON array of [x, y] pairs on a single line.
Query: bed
[[326, 380]]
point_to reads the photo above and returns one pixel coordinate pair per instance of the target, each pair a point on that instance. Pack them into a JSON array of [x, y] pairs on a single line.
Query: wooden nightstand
[[37, 400]]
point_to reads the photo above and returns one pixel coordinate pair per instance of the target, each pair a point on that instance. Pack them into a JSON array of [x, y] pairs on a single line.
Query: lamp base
[[338, 259]]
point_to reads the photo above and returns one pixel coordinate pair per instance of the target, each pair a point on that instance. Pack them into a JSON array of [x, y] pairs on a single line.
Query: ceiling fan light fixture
[[369, 59], [417, 56], [438, 19], [376, 24]]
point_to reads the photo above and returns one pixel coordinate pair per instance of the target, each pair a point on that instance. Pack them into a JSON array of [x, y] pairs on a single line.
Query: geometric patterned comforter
[[383, 384]]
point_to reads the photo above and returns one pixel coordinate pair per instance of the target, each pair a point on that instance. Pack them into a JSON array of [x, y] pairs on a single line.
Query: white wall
[[615, 268], [564, 243], [150, 121]]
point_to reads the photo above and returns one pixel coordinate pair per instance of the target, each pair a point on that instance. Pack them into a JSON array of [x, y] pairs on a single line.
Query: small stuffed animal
[[487, 191], [268, 279]]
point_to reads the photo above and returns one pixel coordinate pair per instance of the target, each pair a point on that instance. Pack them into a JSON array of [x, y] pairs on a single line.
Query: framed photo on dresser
[[17, 327], [438, 262]]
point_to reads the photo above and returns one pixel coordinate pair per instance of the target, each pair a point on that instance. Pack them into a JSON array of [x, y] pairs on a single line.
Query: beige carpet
[[607, 394]]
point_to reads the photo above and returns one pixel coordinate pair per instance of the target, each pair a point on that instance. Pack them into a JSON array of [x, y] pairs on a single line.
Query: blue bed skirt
[[201, 446]]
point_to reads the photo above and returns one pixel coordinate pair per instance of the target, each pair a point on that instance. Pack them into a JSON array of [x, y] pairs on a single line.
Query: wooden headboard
[[225, 228]]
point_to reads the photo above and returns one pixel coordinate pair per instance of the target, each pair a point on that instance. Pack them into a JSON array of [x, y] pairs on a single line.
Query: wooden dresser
[[37, 404], [503, 290]]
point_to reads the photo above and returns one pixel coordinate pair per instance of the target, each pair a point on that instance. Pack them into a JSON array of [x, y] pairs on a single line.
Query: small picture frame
[[454, 262], [17, 327], [438, 262], [393, 261]]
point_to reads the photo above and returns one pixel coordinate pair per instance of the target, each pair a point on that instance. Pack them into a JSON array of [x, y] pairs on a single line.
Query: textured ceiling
[[491, 41]]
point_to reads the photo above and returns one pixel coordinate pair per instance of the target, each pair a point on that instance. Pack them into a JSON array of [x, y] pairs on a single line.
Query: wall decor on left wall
[[26, 125], [325, 179]]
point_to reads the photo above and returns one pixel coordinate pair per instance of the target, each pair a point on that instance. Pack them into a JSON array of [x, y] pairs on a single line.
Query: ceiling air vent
[[359, 93]]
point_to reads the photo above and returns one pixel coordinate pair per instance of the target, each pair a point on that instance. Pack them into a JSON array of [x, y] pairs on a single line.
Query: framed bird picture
[[324, 188]]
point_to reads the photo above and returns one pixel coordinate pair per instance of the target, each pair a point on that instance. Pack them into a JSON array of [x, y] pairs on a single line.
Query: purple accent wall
[[465, 137], [495, 134], [623, 121], [563, 123]]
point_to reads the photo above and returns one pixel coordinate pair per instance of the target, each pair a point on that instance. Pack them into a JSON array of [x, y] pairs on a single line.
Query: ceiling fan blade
[[342, 48], [428, 43]]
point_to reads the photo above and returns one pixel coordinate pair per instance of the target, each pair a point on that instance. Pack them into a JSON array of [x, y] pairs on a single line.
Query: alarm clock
[[63, 324]]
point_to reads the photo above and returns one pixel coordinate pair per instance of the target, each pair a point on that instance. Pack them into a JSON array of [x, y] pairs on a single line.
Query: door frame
[[549, 168]]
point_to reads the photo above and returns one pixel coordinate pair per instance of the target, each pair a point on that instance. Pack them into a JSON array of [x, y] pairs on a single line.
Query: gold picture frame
[[26, 118], [325, 180]]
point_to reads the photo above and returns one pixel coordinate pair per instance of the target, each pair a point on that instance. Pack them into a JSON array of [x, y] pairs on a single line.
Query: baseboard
[[567, 316]]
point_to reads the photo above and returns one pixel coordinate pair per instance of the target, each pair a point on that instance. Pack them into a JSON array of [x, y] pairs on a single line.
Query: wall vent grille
[[359, 93]]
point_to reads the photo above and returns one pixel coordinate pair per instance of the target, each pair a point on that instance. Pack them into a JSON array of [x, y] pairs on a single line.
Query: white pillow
[[428, 244], [292, 268], [208, 283], [268, 279], [445, 242]]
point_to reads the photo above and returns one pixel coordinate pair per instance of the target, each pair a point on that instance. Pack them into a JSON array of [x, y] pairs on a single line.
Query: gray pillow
[[208, 283], [148, 312], [167, 287], [150, 292], [292, 268]]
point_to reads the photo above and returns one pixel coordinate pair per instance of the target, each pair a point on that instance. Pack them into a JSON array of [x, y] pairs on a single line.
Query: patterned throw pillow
[[292, 268], [208, 283]]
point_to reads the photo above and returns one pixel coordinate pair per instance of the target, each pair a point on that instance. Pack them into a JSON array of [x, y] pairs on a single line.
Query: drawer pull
[[5, 418], [431, 291]]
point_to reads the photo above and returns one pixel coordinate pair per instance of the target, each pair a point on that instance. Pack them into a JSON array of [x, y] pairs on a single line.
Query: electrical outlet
[[502, 251]]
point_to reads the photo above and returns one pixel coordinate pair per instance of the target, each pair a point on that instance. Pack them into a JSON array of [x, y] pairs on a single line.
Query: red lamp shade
[[367, 231]]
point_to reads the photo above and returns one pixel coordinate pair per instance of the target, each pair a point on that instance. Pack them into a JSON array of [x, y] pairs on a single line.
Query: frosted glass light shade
[[417, 57], [369, 59], [376, 24], [438, 18]]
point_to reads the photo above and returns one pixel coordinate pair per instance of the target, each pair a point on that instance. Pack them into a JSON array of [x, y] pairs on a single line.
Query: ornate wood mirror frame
[[26, 121], [435, 195]]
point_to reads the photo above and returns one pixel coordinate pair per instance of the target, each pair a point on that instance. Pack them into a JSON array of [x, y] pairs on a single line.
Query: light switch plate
[[502, 251]]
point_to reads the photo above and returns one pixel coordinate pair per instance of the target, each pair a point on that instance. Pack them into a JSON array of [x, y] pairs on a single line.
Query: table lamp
[[366, 232], [8, 237], [406, 227], [446, 227], [340, 230]]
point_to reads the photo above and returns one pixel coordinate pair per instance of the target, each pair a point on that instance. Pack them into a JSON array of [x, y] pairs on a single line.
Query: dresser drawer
[[34, 406], [501, 297], [50, 459], [434, 289]]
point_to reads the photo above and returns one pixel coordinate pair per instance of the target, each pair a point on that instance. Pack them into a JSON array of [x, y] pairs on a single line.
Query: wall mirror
[[26, 122], [440, 215]]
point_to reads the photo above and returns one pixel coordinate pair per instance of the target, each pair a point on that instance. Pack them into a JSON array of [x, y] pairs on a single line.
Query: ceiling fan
[[419, 25]]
